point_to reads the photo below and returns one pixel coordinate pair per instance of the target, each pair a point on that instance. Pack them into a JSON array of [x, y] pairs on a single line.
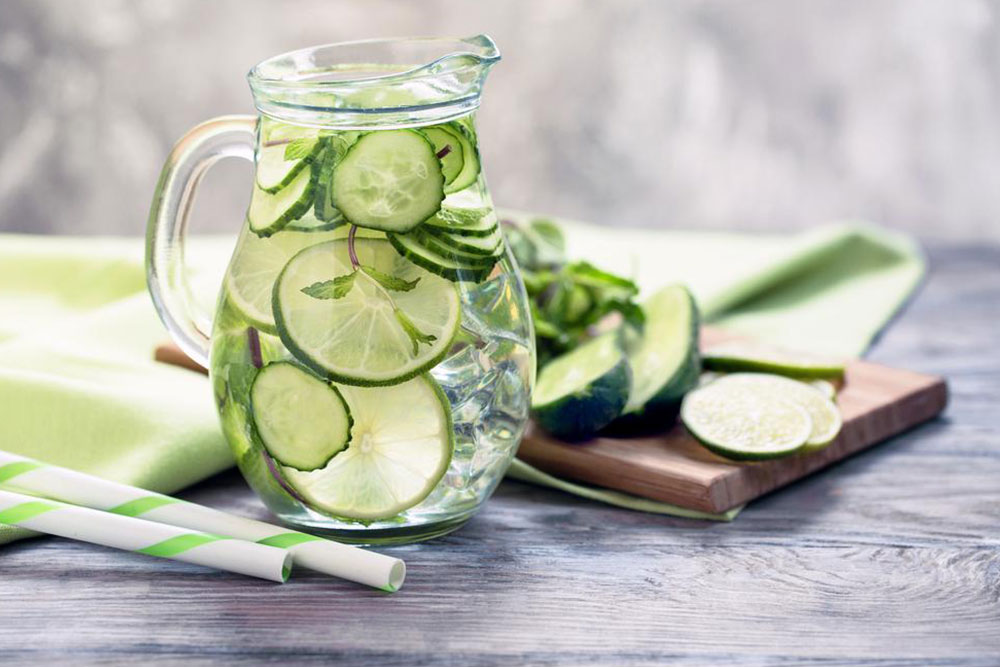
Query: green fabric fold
[[78, 386]]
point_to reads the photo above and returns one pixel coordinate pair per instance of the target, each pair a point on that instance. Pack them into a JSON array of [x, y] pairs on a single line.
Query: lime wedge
[[361, 338], [301, 420], [401, 445], [825, 416], [256, 264], [737, 356], [737, 423], [582, 391]]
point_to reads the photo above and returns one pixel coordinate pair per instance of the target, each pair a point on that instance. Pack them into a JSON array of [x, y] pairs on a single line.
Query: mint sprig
[[390, 282], [415, 335], [337, 288]]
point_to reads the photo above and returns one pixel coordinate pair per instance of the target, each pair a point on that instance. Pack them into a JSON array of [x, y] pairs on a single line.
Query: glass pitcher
[[371, 354]]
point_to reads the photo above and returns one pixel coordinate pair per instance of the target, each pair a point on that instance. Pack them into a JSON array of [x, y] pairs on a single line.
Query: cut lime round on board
[[664, 358], [369, 335], [739, 424], [389, 180], [582, 391], [401, 445], [737, 356], [825, 417], [257, 263], [301, 420]]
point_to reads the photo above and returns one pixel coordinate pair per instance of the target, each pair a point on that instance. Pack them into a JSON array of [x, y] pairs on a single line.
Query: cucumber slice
[[389, 180], [453, 161], [741, 424], [464, 221], [739, 356], [441, 246], [582, 391], [826, 419], [257, 262], [470, 157], [446, 266], [270, 213], [301, 421], [274, 172], [478, 245], [359, 338], [664, 358], [336, 147], [401, 444]]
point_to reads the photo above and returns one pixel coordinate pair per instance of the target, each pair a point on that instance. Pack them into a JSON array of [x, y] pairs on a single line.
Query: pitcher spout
[[411, 81]]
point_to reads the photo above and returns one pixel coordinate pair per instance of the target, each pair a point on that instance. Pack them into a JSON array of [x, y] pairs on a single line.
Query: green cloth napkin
[[78, 386]]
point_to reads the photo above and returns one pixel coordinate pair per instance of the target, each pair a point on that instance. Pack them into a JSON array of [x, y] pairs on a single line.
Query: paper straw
[[144, 537], [339, 560]]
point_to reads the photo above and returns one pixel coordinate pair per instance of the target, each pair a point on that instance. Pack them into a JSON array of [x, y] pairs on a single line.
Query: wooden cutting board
[[876, 402]]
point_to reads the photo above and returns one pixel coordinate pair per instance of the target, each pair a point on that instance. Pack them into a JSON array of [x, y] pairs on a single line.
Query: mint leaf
[[550, 233], [331, 289], [585, 273], [300, 148], [394, 283], [415, 334]]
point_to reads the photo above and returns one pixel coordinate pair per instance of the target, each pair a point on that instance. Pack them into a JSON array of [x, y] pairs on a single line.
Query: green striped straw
[[144, 537], [19, 473]]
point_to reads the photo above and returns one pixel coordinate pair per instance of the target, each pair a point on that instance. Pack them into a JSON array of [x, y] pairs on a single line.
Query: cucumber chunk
[[389, 180], [584, 390], [664, 357], [301, 421]]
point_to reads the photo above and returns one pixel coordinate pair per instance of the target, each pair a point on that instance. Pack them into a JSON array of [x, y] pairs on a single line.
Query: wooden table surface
[[890, 557]]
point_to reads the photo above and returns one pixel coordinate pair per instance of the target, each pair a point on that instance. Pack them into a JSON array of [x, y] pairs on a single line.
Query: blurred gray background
[[742, 115]]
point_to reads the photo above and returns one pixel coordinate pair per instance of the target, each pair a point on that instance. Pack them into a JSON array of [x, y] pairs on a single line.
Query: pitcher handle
[[199, 149]]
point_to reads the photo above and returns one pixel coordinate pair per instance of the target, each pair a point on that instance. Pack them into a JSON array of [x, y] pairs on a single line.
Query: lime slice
[[664, 358], [582, 391], [301, 420], [825, 416], [740, 424], [737, 356], [256, 264], [401, 445], [359, 338]]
